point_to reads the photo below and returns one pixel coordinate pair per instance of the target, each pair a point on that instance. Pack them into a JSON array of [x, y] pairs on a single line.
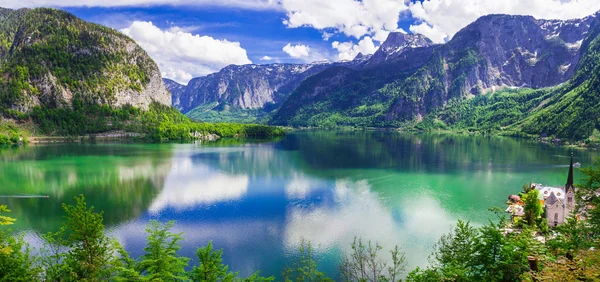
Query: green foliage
[[161, 262], [88, 249], [484, 254], [209, 113], [5, 220], [158, 123], [16, 262], [585, 267], [304, 267], [573, 235], [588, 191], [364, 264], [453, 251], [533, 208], [486, 113], [211, 268], [11, 133]]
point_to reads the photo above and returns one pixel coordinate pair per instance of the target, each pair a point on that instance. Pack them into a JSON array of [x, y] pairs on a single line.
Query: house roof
[[552, 199], [545, 191]]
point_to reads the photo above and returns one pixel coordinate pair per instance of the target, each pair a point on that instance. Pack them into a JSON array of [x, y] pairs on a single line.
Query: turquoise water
[[258, 200]]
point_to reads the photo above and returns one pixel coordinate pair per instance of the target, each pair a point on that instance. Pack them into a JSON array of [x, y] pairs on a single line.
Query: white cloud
[[244, 4], [351, 17], [434, 33], [266, 58], [181, 55], [297, 51], [326, 35], [348, 50], [446, 17]]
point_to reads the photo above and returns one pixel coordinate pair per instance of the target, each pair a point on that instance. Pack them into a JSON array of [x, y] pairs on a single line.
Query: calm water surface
[[257, 201]]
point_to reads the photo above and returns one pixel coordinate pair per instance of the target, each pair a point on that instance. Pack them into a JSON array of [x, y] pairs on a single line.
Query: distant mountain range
[[408, 81]]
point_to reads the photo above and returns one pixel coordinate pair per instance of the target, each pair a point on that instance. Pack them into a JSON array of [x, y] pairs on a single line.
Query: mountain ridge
[[478, 59]]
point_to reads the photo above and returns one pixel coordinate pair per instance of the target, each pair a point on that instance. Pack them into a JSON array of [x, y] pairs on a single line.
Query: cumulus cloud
[[349, 50], [351, 17], [297, 51], [245, 4], [266, 58], [181, 55], [433, 32], [444, 18]]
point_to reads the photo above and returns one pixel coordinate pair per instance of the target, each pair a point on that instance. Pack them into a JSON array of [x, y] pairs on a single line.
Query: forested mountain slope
[[49, 58], [570, 110]]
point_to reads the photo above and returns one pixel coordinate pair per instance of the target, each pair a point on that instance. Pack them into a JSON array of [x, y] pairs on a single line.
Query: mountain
[[494, 52], [247, 92], [244, 87], [573, 111], [51, 59], [396, 43]]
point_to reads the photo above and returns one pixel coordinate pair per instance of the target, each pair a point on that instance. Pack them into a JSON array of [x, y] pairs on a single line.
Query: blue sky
[[189, 38]]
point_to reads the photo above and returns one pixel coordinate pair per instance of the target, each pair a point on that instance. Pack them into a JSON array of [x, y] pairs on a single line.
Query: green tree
[[304, 267], [587, 193], [211, 268], [573, 235], [5, 220], [89, 247], [533, 208], [161, 261], [16, 262], [80, 249], [454, 250], [364, 263]]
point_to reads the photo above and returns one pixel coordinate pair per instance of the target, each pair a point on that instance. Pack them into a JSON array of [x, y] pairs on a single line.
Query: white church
[[559, 202]]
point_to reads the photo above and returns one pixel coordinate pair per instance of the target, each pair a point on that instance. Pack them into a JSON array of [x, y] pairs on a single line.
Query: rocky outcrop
[[395, 44], [154, 91]]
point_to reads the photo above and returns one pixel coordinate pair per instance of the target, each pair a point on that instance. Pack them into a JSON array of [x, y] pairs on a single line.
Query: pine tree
[[161, 261]]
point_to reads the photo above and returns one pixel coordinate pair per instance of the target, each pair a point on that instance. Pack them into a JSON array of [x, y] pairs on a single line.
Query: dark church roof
[[569, 184], [551, 199]]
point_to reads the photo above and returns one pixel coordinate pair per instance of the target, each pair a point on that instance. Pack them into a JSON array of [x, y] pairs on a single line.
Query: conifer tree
[[161, 261]]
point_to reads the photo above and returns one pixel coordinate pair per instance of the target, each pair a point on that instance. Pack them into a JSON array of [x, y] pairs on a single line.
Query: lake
[[258, 200]]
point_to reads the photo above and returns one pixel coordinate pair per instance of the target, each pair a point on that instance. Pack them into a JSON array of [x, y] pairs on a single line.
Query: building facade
[[559, 202]]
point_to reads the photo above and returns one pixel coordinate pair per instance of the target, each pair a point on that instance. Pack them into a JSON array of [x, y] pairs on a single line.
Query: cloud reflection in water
[[190, 184], [412, 223]]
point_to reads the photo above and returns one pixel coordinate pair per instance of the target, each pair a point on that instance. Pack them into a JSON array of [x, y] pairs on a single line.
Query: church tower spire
[[569, 184]]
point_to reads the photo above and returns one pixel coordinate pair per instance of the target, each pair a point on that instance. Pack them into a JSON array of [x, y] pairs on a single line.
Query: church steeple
[[569, 184]]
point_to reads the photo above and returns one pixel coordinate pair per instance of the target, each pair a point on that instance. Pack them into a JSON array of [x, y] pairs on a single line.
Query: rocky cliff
[[49, 57], [243, 87]]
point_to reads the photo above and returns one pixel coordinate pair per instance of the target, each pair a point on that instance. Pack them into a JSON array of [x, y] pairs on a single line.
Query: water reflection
[[189, 185], [257, 201]]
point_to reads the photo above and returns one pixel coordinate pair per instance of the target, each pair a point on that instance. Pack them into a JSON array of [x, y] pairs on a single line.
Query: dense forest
[[80, 250], [158, 123]]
